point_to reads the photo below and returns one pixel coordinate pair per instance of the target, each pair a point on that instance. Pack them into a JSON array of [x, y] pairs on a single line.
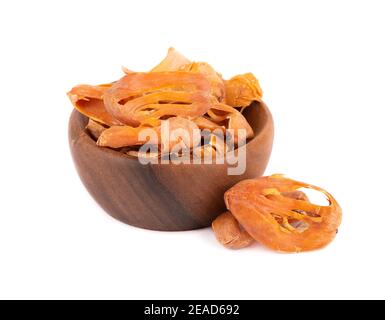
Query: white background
[[321, 65]]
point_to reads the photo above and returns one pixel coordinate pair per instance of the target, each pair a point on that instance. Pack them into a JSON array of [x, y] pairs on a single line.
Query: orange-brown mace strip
[[175, 88], [274, 213]]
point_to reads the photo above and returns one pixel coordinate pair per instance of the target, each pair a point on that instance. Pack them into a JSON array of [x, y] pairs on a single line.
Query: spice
[[274, 213], [230, 233], [175, 89]]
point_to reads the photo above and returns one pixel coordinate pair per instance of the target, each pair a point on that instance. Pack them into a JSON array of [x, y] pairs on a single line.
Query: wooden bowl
[[166, 197]]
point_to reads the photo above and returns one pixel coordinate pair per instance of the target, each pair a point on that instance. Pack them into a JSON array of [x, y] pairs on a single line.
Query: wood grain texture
[[166, 197]]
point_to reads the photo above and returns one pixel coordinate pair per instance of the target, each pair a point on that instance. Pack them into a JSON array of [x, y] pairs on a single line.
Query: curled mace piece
[[281, 223], [242, 90], [175, 61], [140, 96], [235, 119], [205, 123], [216, 82], [172, 62], [127, 136], [88, 100]]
